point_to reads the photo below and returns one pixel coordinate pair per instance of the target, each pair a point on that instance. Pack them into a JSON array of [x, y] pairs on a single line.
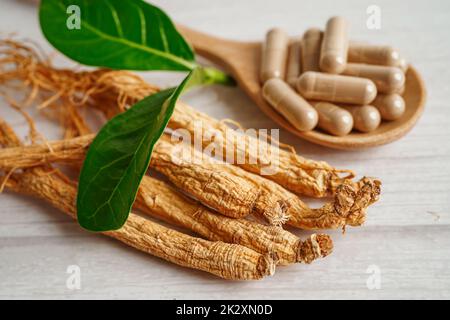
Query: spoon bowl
[[242, 61]]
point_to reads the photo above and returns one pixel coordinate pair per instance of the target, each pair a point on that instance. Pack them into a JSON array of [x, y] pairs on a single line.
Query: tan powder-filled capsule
[[333, 54], [373, 54], [334, 119], [391, 106], [292, 106], [336, 88], [365, 118], [294, 67], [274, 55], [387, 79], [311, 44]]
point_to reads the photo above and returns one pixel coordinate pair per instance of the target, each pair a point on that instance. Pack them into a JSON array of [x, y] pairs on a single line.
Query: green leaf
[[119, 157], [117, 34]]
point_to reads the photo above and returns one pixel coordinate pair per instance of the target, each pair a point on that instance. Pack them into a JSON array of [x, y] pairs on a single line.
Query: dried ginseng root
[[229, 261], [227, 188], [210, 180], [285, 167], [160, 200], [114, 90], [157, 198], [68, 151]]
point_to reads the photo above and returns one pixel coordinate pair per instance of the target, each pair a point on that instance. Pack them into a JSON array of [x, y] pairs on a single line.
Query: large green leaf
[[119, 34], [119, 156]]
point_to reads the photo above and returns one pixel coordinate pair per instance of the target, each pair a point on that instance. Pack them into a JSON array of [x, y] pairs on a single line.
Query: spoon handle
[[223, 52]]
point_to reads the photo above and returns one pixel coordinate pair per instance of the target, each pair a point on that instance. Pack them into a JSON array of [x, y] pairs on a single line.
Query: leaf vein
[[115, 17]]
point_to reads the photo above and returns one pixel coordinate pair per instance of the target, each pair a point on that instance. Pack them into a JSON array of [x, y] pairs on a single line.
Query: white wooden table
[[407, 235]]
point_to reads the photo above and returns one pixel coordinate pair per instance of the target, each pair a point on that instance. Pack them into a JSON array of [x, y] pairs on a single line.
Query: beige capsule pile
[[326, 81]]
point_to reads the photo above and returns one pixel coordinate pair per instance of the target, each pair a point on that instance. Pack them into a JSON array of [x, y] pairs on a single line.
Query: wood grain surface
[[406, 237]]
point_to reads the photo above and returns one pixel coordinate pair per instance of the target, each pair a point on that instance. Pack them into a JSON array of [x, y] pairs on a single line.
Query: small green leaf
[[117, 34], [119, 157]]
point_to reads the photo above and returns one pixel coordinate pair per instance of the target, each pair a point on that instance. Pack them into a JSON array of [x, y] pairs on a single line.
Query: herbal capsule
[[365, 118], [370, 54], [294, 63], [292, 106], [311, 44], [387, 79], [333, 54], [336, 88], [274, 55], [391, 106], [333, 119]]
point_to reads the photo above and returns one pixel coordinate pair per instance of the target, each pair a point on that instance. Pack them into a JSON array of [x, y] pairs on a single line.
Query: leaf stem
[[215, 76]]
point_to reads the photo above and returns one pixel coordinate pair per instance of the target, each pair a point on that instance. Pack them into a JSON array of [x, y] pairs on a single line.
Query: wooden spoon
[[242, 61]]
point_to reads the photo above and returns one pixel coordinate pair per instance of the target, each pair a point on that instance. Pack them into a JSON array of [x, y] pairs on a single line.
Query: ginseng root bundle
[[235, 211]]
